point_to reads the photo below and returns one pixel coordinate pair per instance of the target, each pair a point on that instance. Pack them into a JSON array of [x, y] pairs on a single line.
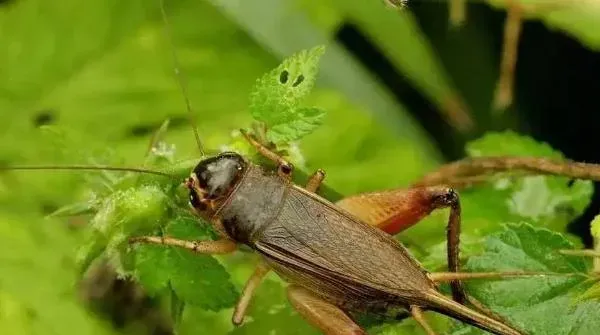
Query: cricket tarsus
[[179, 77], [85, 167]]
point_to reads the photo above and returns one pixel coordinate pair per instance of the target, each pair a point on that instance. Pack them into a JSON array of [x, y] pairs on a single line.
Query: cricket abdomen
[[254, 204]]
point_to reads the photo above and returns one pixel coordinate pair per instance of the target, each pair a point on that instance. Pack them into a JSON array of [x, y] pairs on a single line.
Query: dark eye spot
[[298, 81], [194, 200], [283, 77], [570, 183]]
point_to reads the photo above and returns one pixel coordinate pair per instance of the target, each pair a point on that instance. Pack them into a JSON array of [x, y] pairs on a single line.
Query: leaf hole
[[44, 117], [284, 76], [298, 81]]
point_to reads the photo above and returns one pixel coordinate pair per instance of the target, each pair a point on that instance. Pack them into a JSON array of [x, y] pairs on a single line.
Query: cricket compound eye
[[217, 176], [195, 200]]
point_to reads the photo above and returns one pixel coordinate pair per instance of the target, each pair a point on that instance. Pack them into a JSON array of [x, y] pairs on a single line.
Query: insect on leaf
[[276, 97]]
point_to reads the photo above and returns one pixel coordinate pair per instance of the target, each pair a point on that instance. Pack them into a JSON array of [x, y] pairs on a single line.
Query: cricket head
[[212, 181]]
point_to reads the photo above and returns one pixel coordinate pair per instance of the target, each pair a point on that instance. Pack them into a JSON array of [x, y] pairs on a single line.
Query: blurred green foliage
[[102, 72]]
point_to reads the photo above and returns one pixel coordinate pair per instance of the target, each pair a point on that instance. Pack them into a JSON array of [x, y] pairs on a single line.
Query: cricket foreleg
[[395, 210], [223, 246], [284, 168], [326, 317], [253, 282]]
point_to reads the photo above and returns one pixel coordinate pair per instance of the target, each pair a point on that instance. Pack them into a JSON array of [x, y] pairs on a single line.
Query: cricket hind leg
[[326, 317], [396, 210]]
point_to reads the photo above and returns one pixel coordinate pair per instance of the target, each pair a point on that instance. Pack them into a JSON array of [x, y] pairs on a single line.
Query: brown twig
[[458, 12], [480, 168], [512, 32]]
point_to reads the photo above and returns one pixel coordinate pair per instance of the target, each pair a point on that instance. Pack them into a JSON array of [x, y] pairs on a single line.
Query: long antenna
[[179, 76], [84, 167]]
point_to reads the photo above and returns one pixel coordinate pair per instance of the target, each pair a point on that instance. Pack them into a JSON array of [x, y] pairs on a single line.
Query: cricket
[[338, 258]]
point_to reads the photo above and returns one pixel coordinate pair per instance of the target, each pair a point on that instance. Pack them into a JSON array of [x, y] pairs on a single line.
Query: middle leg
[[253, 282], [315, 181]]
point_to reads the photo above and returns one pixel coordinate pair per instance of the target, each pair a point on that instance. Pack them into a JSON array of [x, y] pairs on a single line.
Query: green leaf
[[307, 120], [78, 208], [134, 210], [38, 294], [197, 279], [595, 229], [546, 200], [533, 304], [408, 326], [94, 245], [592, 293], [509, 143], [152, 267], [275, 99]]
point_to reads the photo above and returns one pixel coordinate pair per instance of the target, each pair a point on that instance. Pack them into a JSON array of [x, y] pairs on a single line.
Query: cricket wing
[[313, 239]]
